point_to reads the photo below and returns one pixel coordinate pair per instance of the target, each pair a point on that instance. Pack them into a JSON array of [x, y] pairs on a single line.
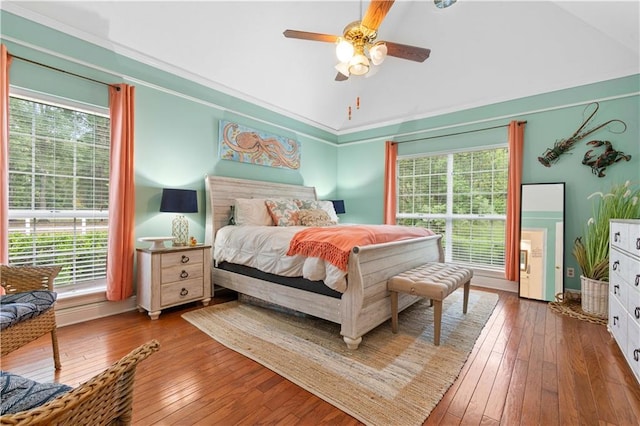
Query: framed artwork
[[524, 259], [246, 145]]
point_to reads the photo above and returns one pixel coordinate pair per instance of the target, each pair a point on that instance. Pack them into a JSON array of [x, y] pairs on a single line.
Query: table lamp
[[338, 206], [179, 201]]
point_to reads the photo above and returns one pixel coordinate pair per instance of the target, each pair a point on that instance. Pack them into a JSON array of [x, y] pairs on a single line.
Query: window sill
[[80, 296]]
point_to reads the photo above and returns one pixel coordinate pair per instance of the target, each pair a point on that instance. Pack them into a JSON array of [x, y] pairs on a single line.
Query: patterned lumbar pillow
[[315, 217], [21, 394], [284, 212], [325, 205]]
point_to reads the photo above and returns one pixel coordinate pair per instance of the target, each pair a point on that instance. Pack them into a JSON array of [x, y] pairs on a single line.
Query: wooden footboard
[[366, 303]]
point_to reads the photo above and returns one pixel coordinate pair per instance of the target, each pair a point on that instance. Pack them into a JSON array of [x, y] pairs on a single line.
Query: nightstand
[[173, 276]]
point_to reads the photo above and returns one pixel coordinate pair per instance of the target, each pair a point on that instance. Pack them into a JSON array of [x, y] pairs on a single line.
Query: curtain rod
[[459, 133], [66, 72]]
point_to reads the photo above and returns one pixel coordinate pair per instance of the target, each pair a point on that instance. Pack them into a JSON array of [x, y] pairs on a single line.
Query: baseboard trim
[[81, 313]]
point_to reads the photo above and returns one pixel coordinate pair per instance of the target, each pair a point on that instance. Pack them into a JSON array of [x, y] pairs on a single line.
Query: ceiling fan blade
[[404, 51], [341, 77], [304, 35], [376, 12]]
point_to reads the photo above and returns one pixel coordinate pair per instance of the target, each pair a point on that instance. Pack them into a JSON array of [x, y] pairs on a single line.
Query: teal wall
[[177, 131], [550, 117]]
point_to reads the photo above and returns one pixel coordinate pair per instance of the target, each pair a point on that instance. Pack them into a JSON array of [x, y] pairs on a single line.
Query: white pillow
[[252, 211]]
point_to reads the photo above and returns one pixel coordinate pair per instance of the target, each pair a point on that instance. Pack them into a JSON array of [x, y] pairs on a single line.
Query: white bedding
[[265, 248]]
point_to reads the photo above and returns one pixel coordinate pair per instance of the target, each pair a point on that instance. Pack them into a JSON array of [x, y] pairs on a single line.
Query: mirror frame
[[528, 258]]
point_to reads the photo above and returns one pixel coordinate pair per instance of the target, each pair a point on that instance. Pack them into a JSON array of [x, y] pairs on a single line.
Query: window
[[59, 189], [461, 195]]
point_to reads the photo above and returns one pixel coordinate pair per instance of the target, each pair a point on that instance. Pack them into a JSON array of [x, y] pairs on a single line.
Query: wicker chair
[[105, 399], [16, 279]]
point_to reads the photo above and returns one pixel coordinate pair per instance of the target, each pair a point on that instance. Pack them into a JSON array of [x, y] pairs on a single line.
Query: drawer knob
[[638, 244], [616, 237], [185, 259], [615, 265], [637, 312], [636, 354], [184, 292], [184, 274], [615, 320], [616, 289], [637, 280]]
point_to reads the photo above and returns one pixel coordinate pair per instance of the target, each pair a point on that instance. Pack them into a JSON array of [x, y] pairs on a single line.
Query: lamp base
[[180, 231]]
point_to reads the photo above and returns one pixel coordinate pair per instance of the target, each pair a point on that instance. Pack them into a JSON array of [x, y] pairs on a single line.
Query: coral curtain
[[121, 247], [512, 243], [5, 63], [391, 156]]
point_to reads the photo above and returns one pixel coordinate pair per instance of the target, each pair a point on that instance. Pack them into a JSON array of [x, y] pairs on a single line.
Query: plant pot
[[595, 297]]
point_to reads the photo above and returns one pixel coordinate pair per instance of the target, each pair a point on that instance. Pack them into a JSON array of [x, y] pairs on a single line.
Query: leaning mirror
[[542, 240]]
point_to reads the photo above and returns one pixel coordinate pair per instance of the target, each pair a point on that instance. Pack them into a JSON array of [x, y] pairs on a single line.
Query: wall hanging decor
[[246, 145], [608, 157], [551, 155]]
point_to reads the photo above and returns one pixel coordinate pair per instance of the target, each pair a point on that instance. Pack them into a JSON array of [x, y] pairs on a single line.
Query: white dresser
[[173, 276], [624, 289]]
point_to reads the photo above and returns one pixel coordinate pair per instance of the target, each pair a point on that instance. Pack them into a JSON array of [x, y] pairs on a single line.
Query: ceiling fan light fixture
[[378, 52], [343, 68], [344, 50], [359, 64]]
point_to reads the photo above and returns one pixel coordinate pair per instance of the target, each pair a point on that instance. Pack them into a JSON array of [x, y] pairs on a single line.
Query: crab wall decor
[[608, 157]]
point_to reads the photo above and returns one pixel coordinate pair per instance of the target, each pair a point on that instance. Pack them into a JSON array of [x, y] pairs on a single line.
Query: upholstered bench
[[434, 281]]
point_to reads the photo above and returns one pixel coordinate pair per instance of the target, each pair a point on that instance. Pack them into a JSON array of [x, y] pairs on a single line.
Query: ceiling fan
[[357, 48]]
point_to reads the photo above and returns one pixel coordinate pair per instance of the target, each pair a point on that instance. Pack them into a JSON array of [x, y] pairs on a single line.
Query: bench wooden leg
[[466, 296], [394, 311], [437, 321]]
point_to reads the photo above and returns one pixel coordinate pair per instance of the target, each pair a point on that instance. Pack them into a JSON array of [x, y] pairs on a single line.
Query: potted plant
[[592, 250]]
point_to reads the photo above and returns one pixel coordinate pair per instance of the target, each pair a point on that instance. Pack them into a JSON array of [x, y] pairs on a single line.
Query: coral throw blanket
[[334, 243]]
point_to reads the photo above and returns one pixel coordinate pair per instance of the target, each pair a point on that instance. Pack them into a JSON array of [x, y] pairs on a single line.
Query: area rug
[[391, 379]]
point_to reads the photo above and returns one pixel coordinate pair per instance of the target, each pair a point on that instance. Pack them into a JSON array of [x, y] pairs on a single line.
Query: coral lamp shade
[[179, 201]]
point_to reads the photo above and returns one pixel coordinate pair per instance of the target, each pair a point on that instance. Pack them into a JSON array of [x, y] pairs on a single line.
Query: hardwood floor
[[529, 366]]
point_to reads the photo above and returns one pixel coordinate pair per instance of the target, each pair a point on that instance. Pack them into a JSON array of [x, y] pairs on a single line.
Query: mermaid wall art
[[246, 145]]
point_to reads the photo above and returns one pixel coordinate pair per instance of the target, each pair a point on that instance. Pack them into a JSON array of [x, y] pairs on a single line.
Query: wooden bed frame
[[366, 303]]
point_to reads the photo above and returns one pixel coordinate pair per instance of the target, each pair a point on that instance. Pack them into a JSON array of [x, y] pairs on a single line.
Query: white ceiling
[[482, 51]]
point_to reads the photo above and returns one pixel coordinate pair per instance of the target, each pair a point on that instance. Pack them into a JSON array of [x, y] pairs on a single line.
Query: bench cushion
[[432, 280], [18, 307], [21, 394]]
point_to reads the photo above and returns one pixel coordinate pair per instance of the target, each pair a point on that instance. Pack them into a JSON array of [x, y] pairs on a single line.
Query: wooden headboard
[[222, 191]]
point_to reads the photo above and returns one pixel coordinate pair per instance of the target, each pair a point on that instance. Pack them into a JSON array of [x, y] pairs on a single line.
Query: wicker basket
[[595, 297]]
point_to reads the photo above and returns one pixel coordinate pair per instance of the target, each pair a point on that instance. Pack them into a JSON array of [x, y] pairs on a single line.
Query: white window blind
[[58, 189], [461, 195]]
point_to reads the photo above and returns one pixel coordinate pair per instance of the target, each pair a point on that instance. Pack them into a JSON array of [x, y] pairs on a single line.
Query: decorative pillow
[[17, 307], [251, 211], [315, 217], [21, 394], [325, 205], [284, 212]]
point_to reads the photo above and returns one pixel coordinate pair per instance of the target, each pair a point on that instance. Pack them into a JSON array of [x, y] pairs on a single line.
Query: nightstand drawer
[[181, 258], [181, 292], [181, 272]]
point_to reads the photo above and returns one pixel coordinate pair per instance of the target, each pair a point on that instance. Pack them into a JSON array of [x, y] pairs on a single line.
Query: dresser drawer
[[633, 347], [633, 304], [181, 292], [619, 235], [618, 323], [181, 258], [618, 290], [181, 273]]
